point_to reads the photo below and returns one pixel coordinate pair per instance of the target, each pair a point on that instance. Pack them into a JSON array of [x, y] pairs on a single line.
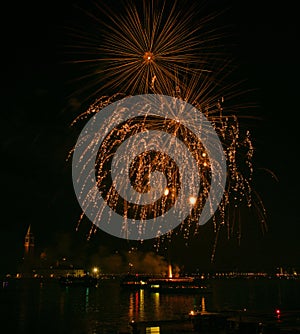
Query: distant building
[[29, 244], [59, 271], [29, 256], [32, 266]]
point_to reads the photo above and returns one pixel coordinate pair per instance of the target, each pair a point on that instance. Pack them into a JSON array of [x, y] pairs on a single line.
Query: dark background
[[36, 137]]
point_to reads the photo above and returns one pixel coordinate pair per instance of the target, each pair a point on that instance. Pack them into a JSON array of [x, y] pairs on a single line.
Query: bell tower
[[29, 244], [28, 260]]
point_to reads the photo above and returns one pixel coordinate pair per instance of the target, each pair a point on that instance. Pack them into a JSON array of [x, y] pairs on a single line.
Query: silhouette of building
[[29, 243], [37, 266], [29, 256]]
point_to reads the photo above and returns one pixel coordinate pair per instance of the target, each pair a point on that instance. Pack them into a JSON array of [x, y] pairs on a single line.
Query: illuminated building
[[29, 243]]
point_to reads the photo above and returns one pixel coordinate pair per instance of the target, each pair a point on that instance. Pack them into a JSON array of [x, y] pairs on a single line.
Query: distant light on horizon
[[95, 270]]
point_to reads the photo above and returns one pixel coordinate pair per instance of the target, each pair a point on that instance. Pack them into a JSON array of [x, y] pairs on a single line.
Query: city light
[[95, 271]]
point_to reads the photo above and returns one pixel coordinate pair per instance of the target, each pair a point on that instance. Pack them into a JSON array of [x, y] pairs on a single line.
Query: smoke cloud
[[134, 262]]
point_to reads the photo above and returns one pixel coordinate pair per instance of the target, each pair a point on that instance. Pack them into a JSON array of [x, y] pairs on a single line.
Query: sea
[[43, 306]]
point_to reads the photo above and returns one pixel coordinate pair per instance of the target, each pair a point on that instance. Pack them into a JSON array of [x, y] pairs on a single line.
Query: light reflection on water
[[32, 306]]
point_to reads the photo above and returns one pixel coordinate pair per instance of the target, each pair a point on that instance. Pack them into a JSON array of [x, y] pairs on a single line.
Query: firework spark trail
[[145, 50], [158, 50], [146, 143], [238, 188]]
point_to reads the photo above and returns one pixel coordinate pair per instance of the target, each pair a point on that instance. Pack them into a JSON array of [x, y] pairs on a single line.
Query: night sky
[[36, 137]]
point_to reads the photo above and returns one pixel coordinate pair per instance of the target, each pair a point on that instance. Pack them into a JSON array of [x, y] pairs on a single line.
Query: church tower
[[29, 244], [28, 260]]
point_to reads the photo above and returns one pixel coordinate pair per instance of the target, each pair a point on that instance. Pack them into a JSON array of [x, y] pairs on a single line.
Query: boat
[[134, 281], [177, 285], [86, 281], [171, 284]]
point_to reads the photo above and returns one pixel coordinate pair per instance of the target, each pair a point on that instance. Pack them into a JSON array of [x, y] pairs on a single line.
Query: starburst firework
[[145, 49]]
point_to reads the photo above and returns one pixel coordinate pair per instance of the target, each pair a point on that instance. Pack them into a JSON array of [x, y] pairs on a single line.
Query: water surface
[[43, 306]]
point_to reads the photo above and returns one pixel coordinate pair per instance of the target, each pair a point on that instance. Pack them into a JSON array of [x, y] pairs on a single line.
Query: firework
[[157, 49], [238, 150], [145, 49]]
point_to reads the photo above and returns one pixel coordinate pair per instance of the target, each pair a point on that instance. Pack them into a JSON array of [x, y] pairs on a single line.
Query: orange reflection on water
[[155, 297], [131, 306], [141, 305], [136, 308]]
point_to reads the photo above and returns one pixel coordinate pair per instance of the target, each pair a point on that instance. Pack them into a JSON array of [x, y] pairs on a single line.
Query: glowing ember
[[193, 200]]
